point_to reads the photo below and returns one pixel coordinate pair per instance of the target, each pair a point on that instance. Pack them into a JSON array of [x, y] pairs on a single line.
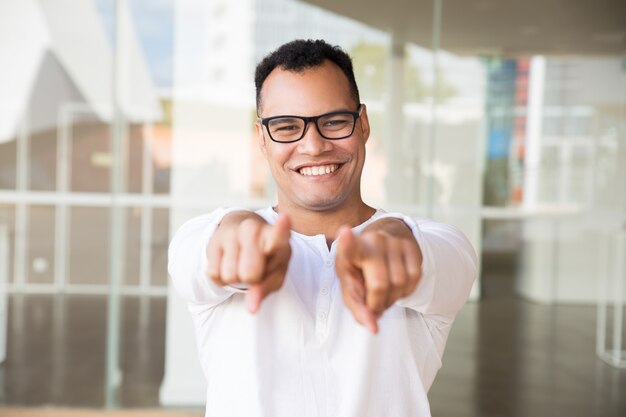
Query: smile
[[318, 170]]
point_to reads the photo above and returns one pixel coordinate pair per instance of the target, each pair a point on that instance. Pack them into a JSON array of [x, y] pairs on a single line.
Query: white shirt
[[303, 354]]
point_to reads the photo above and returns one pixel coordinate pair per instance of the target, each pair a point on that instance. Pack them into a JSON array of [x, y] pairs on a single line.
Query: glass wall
[[85, 157]]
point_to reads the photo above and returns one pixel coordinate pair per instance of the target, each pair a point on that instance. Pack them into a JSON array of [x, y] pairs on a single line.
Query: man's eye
[[336, 122], [286, 128]]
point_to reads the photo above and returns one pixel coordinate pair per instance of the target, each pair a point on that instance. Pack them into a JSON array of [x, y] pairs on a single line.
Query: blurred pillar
[[395, 184], [4, 275], [212, 140]]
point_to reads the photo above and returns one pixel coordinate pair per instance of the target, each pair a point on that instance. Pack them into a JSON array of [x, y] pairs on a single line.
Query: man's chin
[[321, 204]]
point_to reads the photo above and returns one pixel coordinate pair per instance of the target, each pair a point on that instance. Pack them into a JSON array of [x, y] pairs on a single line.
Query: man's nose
[[312, 142]]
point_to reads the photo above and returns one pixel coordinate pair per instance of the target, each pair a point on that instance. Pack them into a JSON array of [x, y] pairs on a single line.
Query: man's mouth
[[318, 170]]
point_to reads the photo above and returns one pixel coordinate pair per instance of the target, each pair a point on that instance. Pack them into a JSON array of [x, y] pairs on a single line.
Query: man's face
[[300, 168]]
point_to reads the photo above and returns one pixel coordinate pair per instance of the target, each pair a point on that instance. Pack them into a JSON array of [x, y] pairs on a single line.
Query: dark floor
[[505, 357], [56, 351]]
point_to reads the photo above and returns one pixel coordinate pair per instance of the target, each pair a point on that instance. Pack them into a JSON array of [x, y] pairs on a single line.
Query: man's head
[[299, 55], [312, 172]]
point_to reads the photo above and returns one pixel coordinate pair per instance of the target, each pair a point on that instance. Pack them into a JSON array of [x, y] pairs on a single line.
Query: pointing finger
[[257, 292], [353, 292], [348, 248], [376, 277], [278, 233], [361, 313]]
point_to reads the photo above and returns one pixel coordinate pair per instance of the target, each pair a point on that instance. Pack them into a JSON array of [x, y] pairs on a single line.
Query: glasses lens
[[335, 126], [285, 129]]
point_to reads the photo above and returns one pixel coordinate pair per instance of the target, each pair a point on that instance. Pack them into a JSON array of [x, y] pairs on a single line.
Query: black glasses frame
[[355, 114]]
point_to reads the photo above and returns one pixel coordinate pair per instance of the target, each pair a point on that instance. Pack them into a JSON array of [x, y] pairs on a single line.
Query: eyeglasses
[[331, 126]]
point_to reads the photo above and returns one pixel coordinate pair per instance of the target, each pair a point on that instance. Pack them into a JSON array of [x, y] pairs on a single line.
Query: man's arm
[[211, 255], [449, 269]]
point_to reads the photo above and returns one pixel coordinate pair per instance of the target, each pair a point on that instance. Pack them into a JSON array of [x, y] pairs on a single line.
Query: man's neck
[[325, 222]]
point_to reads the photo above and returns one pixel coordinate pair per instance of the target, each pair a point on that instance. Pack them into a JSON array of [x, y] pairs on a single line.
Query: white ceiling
[[499, 27]]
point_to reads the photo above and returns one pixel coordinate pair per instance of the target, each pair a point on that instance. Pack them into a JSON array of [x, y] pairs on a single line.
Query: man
[[320, 305]]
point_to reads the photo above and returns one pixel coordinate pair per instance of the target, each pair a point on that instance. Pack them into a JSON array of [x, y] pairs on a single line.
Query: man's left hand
[[377, 267]]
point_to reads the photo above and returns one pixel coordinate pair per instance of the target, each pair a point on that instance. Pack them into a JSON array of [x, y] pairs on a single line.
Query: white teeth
[[318, 170]]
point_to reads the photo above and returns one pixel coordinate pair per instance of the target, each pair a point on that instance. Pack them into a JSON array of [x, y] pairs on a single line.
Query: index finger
[[376, 275], [348, 248], [353, 292], [278, 233]]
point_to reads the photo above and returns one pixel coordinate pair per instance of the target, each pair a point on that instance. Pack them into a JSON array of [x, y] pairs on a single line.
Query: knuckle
[[248, 228], [248, 277], [215, 278], [409, 246], [379, 286], [229, 278], [228, 272], [394, 243], [399, 279], [371, 240], [414, 275]]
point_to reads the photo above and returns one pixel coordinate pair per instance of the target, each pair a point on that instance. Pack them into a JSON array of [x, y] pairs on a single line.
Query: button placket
[[323, 301]]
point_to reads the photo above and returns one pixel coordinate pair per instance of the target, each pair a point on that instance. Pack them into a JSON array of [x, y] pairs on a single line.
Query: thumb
[[278, 233], [258, 291], [348, 248]]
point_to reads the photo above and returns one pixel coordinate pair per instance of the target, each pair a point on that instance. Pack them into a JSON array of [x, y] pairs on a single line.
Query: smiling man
[[321, 305]]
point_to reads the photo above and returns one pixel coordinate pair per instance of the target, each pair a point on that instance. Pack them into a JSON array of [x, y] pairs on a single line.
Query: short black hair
[[301, 54]]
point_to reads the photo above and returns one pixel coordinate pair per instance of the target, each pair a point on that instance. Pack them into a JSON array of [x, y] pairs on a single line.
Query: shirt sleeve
[[188, 263], [449, 267]]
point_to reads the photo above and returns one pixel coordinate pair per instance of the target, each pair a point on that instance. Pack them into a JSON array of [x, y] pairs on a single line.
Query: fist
[[245, 249], [376, 268]]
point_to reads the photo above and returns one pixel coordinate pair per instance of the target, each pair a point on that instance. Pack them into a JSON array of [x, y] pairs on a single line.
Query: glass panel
[[7, 220], [41, 247], [90, 153], [133, 244], [151, 244], [8, 164], [142, 351], [159, 243], [89, 246]]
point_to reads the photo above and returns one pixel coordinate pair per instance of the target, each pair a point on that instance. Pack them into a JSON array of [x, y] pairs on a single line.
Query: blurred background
[[121, 119]]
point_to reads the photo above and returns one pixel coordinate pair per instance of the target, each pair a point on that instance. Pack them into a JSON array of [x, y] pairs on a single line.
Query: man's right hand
[[245, 249]]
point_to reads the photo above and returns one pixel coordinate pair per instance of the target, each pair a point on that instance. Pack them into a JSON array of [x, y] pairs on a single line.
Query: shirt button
[[322, 316], [324, 291], [329, 262]]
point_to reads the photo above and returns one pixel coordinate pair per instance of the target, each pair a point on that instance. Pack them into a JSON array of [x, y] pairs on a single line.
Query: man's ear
[[365, 123], [261, 138]]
